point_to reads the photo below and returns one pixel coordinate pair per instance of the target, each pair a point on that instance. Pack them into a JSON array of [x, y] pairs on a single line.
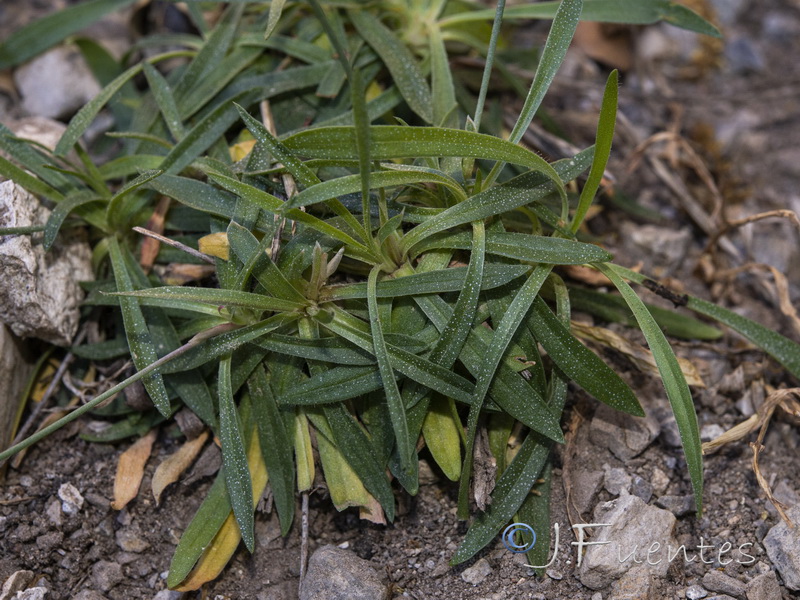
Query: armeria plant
[[386, 271]]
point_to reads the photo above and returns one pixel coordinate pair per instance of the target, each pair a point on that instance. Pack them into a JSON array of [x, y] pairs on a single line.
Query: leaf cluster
[[385, 262]]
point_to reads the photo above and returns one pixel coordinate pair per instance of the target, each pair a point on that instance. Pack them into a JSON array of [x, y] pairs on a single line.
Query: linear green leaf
[[227, 342], [431, 282], [276, 446], [165, 101], [302, 173], [402, 65], [205, 524], [140, 342], [357, 450], [610, 11], [415, 367], [680, 397], [579, 363], [516, 192], [558, 40], [604, 138], [521, 246], [274, 205], [503, 333], [614, 309], [781, 348], [275, 10], [397, 410], [33, 184], [216, 297], [508, 389], [234, 458], [330, 349], [113, 202], [62, 211], [380, 179], [512, 488], [390, 141]]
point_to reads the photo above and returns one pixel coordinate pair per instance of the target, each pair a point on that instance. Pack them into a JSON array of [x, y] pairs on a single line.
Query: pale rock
[[585, 485], [40, 295], [56, 84], [663, 248], [696, 592], [16, 582], [677, 505], [783, 548], [660, 481], [626, 436], [764, 587], [335, 574], [130, 541], [477, 572], [53, 512], [41, 130], [636, 584], [106, 574], [633, 531], [71, 499], [34, 593], [617, 481], [710, 432], [716, 581]]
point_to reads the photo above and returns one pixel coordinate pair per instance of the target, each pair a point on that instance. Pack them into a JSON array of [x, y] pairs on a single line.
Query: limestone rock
[[40, 294], [636, 584], [624, 435], [635, 534], [764, 587], [783, 548], [336, 574], [56, 84], [477, 572], [717, 581]]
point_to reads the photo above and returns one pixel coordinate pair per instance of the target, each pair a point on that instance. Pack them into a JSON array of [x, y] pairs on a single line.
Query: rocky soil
[[730, 113]]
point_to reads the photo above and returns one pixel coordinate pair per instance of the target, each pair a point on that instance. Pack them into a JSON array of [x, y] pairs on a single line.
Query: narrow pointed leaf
[[432, 282], [234, 458], [140, 342], [674, 382], [397, 410], [403, 67], [276, 446], [579, 363]]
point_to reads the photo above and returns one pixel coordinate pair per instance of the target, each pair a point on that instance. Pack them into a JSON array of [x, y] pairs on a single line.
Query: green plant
[[364, 323]]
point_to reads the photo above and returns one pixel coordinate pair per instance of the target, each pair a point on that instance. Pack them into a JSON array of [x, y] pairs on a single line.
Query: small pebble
[[696, 592], [553, 574], [477, 572], [71, 499]]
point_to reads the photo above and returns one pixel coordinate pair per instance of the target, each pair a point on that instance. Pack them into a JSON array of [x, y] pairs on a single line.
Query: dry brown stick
[[780, 213], [781, 289], [786, 399], [175, 244]]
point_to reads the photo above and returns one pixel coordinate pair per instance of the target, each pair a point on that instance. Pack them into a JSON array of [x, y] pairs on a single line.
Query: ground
[[736, 104]]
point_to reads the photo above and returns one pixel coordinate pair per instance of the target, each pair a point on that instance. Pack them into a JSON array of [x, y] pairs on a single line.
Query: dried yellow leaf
[[174, 465], [130, 470], [215, 244]]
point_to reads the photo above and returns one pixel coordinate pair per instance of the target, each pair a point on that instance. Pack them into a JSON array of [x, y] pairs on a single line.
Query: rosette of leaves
[[379, 286]]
